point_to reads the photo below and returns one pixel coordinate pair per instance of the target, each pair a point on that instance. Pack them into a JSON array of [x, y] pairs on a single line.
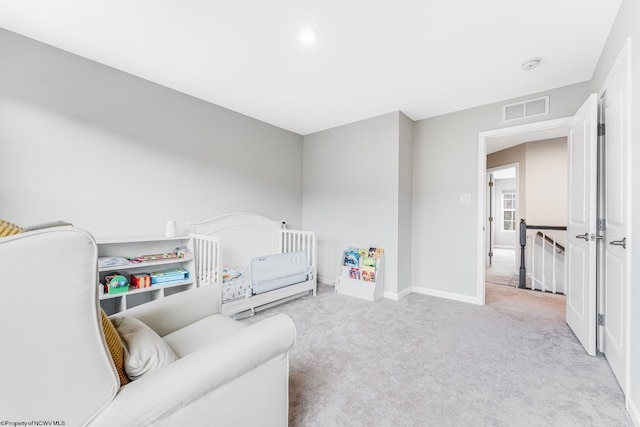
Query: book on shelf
[[352, 257], [369, 261], [363, 252], [361, 263], [368, 273]]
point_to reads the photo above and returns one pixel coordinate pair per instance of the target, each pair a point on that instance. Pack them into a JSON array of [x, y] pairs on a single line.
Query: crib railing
[[208, 258], [208, 252], [295, 240]]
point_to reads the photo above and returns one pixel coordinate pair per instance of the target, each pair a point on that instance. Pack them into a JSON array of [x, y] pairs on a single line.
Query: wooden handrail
[[550, 241]]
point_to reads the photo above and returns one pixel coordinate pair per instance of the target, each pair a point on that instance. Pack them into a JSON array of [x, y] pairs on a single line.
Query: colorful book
[[369, 262], [354, 273], [368, 273], [352, 257], [377, 252]]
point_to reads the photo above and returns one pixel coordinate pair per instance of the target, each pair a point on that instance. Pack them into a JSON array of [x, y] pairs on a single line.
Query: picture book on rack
[[352, 257], [361, 263], [368, 273]]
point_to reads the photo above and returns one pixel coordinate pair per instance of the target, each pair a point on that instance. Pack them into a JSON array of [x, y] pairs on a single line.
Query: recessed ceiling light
[[307, 36], [530, 64]]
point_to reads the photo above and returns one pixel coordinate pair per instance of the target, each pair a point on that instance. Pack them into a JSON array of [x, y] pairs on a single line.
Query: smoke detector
[[307, 36], [530, 64]]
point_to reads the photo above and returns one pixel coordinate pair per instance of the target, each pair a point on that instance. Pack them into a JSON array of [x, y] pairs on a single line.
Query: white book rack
[[370, 291]]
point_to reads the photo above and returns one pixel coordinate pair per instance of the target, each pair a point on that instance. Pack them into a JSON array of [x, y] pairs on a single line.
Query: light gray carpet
[[426, 361], [502, 270]]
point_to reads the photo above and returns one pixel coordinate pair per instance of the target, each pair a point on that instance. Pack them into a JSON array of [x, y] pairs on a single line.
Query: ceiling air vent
[[530, 108]]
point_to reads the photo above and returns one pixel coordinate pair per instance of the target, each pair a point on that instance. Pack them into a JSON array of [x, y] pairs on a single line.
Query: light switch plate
[[465, 197]]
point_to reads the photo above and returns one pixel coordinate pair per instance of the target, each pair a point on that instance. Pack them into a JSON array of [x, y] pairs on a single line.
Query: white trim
[[448, 295], [395, 296], [632, 408], [625, 51], [326, 281], [482, 202]]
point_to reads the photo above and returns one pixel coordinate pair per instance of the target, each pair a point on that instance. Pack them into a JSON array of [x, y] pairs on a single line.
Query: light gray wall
[[118, 155], [405, 193], [627, 24], [503, 238], [445, 164], [352, 191]]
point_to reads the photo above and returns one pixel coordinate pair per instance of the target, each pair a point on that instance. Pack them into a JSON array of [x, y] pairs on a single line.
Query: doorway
[[496, 140], [503, 203]]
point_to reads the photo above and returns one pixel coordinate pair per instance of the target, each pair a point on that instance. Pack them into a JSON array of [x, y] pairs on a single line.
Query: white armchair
[[55, 365]]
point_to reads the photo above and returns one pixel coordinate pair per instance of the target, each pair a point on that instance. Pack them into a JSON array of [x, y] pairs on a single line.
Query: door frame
[[516, 166], [483, 138]]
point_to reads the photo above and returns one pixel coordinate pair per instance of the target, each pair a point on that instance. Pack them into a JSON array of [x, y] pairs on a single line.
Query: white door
[[615, 115], [581, 224]]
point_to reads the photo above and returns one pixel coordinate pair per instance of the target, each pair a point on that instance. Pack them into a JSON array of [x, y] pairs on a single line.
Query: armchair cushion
[[145, 351], [115, 347], [202, 333]]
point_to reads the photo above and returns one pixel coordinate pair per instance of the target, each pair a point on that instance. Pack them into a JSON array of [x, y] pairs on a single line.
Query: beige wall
[[546, 182], [542, 179]]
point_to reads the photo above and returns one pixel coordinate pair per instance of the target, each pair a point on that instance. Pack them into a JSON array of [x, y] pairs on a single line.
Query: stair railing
[[547, 235]]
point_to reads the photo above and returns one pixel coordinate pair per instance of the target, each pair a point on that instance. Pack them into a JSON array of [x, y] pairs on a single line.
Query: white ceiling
[[371, 57]]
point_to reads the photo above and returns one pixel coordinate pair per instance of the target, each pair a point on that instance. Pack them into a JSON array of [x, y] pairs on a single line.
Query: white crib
[[236, 239]]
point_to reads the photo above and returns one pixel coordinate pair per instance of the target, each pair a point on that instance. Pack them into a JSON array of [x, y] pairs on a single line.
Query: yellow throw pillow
[[9, 229], [115, 347]]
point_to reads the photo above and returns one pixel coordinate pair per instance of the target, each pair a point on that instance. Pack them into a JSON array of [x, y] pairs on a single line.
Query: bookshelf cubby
[[134, 247]]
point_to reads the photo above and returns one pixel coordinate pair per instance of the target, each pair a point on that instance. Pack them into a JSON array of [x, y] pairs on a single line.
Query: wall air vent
[[524, 109]]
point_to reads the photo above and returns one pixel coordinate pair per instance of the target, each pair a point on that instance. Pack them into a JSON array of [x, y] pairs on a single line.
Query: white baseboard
[[397, 296], [326, 281], [634, 412], [446, 295]]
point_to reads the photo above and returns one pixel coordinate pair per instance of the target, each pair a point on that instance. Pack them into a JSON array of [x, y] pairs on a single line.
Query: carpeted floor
[[502, 270], [426, 361]]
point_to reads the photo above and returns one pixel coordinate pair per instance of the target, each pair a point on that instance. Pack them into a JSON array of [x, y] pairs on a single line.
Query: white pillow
[[144, 350]]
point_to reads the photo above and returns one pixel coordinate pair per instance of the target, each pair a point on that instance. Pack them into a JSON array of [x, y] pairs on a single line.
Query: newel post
[[522, 279]]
